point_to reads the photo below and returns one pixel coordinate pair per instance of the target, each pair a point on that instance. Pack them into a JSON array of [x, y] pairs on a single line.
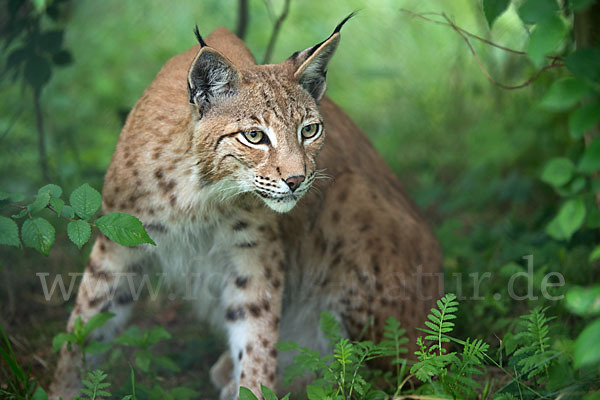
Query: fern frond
[[439, 322]]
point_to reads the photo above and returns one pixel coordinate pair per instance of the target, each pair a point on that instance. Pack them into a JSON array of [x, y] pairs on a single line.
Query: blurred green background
[[468, 152]]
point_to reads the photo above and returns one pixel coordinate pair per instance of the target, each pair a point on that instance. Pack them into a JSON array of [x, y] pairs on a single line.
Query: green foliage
[[246, 394], [85, 201], [492, 9], [79, 337], [95, 387], [17, 383], [142, 341], [124, 229]]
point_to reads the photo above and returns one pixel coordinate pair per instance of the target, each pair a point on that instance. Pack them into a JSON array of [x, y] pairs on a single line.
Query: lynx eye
[[310, 130], [256, 137]]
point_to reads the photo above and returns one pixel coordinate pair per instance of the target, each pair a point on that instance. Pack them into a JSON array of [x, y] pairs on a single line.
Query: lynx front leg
[[252, 301], [105, 287]]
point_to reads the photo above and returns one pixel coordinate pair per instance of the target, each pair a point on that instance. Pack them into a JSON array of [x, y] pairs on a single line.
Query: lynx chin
[[269, 202]]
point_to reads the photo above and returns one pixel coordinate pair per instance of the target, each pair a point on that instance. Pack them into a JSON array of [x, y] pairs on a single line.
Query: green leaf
[[267, 393], [587, 346], [67, 212], [534, 11], [37, 233], [124, 229], [85, 200], [583, 119], [62, 58], [37, 71], [315, 392], [590, 161], [54, 190], [568, 220], [595, 254], [246, 394], [96, 347], [95, 322], [39, 5], [39, 394], [558, 171], [79, 232], [564, 94], [142, 360], [584, 302], [12, 197], [492, 9], [157, 334], [9, 232], [41, 201], [585, 63], [545, 39], [165, 362], [62, 338], [57, 204], [580, 5]]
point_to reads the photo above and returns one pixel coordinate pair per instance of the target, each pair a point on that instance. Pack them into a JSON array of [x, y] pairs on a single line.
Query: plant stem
[[39, 122]]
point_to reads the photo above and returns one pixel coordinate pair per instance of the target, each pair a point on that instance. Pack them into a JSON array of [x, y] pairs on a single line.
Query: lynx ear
[[211, 76], [311, 64]]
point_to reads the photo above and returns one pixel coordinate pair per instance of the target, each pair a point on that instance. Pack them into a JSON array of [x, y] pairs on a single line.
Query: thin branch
[[465, 36], [275, 33], [41, 135], [243, 18]]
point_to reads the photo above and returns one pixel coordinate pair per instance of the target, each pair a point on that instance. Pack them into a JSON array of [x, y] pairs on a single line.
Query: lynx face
[[262, 124], [266, 139]]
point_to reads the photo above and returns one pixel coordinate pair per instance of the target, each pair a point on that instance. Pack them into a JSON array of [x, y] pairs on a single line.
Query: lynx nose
[[294, 181]]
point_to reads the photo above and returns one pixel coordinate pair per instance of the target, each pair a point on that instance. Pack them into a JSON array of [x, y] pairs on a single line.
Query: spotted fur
[[259, 258]]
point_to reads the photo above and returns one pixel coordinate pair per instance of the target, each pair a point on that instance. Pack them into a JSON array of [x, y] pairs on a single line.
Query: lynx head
[[258, 128]]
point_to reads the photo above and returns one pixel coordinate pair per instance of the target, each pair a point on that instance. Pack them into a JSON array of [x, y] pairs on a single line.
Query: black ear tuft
[[199, 37], [311, 64], [338, 28]]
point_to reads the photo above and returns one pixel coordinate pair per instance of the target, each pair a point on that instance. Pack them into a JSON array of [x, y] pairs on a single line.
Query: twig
[[242, 21], [41, 135], [275, 33], [465, 36]]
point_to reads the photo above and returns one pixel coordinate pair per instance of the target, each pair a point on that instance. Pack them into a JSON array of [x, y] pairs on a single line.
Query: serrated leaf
[[79, 232], [558, 171], [534, 11], [564, 94], [585, 63], [41, 201], [583, 119], [157, 334], [54, 190], [568, 220], [246, 394], [57, 204], [124, 229], [96, 347], [9, 232], [545, 39], [60, 339], [492, 9], [267, 393], [590, 161], [85, 200], [39, 234], [142, 360], [67, 211], [95, 322]]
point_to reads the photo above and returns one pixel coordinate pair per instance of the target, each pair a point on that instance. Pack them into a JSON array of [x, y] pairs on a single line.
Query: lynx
[[268, 206]]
